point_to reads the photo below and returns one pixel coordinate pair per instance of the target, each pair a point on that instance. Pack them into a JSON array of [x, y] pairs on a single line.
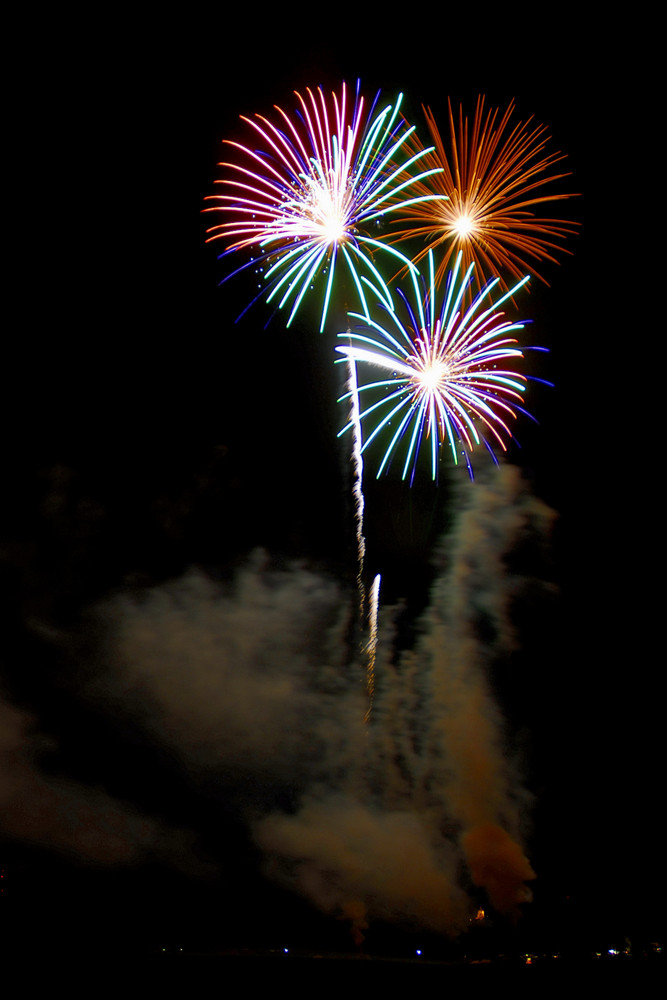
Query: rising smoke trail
[[459, 750]]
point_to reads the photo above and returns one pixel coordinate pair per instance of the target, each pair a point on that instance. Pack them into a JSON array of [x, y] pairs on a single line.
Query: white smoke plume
[[403, 819]]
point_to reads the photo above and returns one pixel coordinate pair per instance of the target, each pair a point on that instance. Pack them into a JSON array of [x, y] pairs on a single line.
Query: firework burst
[[447, 376], [492, 178], [307, 194]]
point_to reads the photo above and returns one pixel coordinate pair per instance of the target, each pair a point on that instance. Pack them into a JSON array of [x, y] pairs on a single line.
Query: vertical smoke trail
[[467, 626], [371, 645]]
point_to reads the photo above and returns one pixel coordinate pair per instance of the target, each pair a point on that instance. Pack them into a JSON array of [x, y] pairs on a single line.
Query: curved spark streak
[[447, 377], [492, 178], [310, 189]]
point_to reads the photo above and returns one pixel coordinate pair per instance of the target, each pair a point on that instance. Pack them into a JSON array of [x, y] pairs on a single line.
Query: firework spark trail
[[371, 645], [358, 493], [493, 177], [308, 193], [445, 382], [357, 489]]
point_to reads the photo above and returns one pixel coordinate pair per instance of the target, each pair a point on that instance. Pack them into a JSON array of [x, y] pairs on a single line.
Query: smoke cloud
[[55, 811], [406, 818], [249, 679]]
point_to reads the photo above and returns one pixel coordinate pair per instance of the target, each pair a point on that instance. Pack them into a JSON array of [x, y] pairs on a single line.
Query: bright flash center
[[329, 216], [431, 377], [464, 225]]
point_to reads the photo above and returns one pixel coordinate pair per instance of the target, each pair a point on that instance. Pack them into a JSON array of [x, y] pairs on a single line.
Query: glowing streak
[[371, 646], [446, 379], [357, 489], [312, 187], [492, 178]]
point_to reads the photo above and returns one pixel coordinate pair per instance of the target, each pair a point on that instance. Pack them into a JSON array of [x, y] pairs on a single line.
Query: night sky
[[177, 546]]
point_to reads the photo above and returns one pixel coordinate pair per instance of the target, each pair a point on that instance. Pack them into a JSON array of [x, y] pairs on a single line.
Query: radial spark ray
[[493, 177], [309, 189], [446, 375]]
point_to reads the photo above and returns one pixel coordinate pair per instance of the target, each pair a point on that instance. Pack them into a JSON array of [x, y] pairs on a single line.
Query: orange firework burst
[[492, 177]]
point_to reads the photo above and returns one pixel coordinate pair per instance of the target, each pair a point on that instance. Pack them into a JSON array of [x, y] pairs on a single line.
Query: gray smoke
[[402, 819], [55, 811]]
